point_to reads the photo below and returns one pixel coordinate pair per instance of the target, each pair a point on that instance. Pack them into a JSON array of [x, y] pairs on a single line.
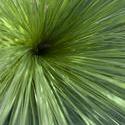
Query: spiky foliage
[[62, 62]]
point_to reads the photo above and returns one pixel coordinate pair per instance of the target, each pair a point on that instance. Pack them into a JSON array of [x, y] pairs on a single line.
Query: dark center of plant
[[42, 49]]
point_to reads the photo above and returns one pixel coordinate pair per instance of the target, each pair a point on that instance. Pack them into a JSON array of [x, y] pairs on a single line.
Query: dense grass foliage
[[62, 62]]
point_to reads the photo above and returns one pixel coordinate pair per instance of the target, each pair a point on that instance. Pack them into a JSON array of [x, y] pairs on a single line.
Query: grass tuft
[[62, 62]]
